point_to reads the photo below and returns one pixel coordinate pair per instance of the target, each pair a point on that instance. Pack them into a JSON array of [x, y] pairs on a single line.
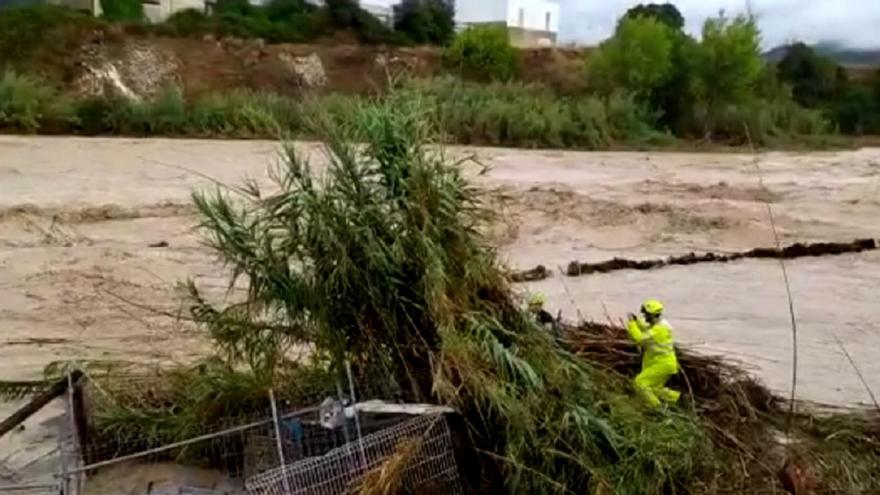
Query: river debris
[[539, 272], [797, 250], [716, 384]]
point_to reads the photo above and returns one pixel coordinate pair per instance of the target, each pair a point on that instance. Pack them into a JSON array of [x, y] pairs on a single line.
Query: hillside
[[848, 57]]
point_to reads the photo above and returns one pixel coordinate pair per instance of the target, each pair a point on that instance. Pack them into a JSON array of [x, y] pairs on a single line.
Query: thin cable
[[791, 312], [858, 371], [571, 297], [794, 329]]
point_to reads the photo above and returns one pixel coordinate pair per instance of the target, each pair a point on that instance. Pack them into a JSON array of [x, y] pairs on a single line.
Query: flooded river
[[95, 232]]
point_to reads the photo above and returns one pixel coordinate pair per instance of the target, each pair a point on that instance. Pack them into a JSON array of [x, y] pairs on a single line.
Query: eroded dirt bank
[[94, 233]]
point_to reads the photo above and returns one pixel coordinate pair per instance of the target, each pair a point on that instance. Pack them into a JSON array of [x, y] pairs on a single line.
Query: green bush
[[347, 14], [815, 80], [237, 114], [381, 264], [818, 82], [629, 120], [728, 66], [516, 114], [244, 114], [666, 13], [638, 58], [875, 84], [483, 53], [163, 115], [28, 104], [280, 21], [38, 39], [770, 123], [123, 10], [857, 110], [425, 21], [188, 23]]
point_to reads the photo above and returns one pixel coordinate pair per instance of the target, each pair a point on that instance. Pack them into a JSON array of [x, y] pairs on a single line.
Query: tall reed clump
[[517, 114], [236, 114], [378, 260]]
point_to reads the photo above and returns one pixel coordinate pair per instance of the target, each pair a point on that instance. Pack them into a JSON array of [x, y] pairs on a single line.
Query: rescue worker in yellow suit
[[654, 335], [536, 304]]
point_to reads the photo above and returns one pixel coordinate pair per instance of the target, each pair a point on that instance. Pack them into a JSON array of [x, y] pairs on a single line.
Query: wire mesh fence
[[326, 448], [418, 452], [31, 489], [108, 429]]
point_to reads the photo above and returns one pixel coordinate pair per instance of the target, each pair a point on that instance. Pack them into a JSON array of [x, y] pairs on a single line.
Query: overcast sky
[[853, 22]]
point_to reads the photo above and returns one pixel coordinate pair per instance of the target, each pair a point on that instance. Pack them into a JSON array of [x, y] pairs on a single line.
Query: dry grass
[[387, 477]]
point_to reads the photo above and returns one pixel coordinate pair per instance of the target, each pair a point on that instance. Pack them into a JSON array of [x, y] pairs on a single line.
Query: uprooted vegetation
[[379, 261]]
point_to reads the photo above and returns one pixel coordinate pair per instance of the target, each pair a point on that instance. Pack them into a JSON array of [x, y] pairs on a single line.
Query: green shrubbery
[[817, 82], [515, 114], [648, 81], [638, 58], [280, 21], [189, 23], [727, 68], [509, 114], [498, 114], [665, 13], [425, 21], [483, 53], [38, 39], [28, 104], [122, 10], [381, 264], [239, 114], [719, 88]]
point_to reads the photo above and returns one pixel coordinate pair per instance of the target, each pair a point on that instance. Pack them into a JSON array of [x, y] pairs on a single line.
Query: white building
[[530, 22], [382, 9], [158, 10], [154, 10]]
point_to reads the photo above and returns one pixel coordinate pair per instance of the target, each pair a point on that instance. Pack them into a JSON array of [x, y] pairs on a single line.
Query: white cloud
[[853, 22]]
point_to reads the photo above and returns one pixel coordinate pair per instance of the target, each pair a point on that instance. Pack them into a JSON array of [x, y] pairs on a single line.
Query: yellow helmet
[[652, 307], [537, 300]]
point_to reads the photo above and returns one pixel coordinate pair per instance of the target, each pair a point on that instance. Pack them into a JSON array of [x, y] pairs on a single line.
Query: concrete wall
[[530, 38], [382, 10], [534, 15], [480, 11], [92, 6], [159, 10], [530, 22], [388, 4]]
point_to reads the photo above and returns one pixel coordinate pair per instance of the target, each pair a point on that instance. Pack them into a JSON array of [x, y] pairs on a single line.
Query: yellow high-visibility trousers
[[651, 382]]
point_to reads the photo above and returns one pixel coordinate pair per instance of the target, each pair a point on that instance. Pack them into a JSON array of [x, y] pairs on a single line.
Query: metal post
[[74, 439], [341, 397], [278, 443], [357, 417], [352, 464], [65, 477]]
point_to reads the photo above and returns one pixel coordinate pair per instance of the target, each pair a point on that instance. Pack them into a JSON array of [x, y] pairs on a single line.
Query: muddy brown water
[[80, 280]]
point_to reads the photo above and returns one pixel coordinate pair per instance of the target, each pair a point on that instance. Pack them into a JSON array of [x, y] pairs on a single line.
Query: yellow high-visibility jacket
[[656, 341]]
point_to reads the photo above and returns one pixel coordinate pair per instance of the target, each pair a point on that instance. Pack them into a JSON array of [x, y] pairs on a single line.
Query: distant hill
[[839, 53]]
